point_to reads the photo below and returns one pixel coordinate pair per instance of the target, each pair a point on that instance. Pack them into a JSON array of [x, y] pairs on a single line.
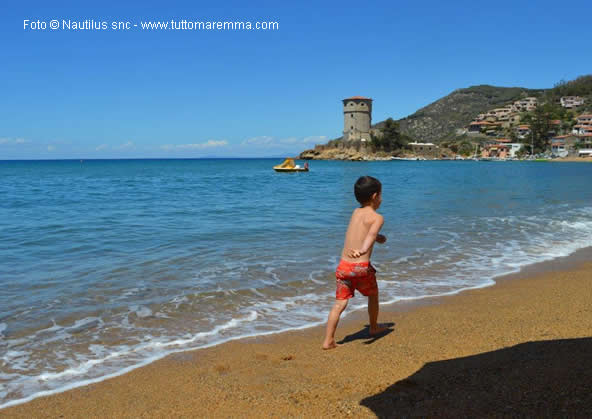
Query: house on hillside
[[526, 104], [581, 129], [584, 141], [523, 131], [584, 145], [571, 102], [554, 126], [476, 127], [584, 119], [559, 148], [501, 114], [514, 119], [568, 141]]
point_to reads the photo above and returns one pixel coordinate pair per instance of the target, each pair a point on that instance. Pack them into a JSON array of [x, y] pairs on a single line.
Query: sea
[[108, 265]]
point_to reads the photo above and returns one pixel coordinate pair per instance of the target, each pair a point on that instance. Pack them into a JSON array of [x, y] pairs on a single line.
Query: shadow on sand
[[364, 334], [535, 379]]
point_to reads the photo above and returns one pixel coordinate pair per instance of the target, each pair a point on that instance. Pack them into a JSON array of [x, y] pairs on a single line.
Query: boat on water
[[289, 166]]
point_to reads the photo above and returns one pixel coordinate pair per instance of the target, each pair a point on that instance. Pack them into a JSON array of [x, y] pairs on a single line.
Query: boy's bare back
[[363, 228]]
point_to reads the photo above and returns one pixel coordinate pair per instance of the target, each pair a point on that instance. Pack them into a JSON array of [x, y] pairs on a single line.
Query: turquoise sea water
[[108, 265]]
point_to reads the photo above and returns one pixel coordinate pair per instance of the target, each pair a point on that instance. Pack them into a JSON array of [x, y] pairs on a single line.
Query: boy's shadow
[[365, 334]]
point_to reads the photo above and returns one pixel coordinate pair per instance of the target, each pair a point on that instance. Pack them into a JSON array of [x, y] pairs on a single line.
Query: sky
[[134, 93]]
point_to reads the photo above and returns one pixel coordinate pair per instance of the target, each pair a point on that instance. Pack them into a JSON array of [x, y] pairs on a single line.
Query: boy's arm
[[370, 238]]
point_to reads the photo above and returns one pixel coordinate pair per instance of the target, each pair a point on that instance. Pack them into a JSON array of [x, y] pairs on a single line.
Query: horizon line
[[153, 158]]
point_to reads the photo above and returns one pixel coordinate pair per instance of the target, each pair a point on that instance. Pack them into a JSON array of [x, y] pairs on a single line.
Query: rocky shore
[[341, 154], [321, 152]]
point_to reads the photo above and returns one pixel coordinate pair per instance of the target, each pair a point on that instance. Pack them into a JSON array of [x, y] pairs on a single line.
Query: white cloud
[[125, 146], [315, 139], [6, 140], [289, 140], [195, 146], [261, 140], [270, 142], [50, 148], [102, 147]]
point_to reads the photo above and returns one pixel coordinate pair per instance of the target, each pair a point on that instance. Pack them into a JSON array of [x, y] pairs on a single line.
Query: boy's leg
[[373, 315], [332, 322]]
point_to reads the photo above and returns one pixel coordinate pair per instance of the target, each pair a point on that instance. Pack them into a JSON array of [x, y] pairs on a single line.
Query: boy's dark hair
[[365, 187]]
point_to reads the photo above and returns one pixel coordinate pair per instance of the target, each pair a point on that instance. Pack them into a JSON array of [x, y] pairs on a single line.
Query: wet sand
[[521, 347]]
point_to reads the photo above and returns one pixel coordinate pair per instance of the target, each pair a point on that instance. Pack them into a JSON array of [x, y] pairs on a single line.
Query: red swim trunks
[[352, 276]]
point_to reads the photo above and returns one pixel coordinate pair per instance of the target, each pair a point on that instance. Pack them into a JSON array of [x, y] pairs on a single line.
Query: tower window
[[351, 104], [352, 127], [363, 104]]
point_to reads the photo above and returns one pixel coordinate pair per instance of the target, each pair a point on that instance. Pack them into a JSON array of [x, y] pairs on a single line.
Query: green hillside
[[440, 119], [582, 86]]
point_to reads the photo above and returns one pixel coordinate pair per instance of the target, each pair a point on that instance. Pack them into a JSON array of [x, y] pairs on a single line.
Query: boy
[[355, 270]]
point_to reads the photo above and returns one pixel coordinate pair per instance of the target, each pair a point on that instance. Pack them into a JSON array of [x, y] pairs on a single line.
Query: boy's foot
[[377, 330], [330, 345]]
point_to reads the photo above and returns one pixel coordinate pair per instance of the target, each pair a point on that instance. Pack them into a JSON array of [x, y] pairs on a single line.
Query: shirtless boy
[[355, 272]]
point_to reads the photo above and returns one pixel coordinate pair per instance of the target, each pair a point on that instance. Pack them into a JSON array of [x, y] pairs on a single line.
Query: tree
[[376, 141], [514, 136], [391, 137], [521, 152], [540, 124], [466, 148]]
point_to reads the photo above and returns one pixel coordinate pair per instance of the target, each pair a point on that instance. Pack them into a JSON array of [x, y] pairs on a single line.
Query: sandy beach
[[573, 160], [521, 347]]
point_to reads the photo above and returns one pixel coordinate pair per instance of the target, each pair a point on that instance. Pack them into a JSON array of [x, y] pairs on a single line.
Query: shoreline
[[308, 337], [424, 158], [350, 315]]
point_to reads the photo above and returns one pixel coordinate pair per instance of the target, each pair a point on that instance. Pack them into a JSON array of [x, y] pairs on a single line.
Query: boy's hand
[[354, 253], [380, 238]]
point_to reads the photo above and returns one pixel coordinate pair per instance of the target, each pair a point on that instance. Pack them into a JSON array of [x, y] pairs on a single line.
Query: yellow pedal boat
[[289, 166]]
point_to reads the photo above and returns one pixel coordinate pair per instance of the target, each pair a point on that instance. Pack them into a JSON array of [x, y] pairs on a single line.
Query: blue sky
[[124, 94]]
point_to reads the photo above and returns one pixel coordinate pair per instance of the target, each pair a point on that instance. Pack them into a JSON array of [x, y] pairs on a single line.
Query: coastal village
[[567, 138], [521, 129]]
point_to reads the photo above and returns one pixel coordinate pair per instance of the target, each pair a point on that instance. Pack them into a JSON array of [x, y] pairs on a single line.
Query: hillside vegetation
[[440, 120], [582, 86]]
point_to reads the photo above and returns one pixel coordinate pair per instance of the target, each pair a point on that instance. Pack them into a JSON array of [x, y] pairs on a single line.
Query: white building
[[584, 125], [571, 101], [526, 104], [423, 146], [523, 131], [513, 148]]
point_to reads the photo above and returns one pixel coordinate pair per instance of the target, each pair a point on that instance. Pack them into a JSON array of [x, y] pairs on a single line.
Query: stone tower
[[357, 117]]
